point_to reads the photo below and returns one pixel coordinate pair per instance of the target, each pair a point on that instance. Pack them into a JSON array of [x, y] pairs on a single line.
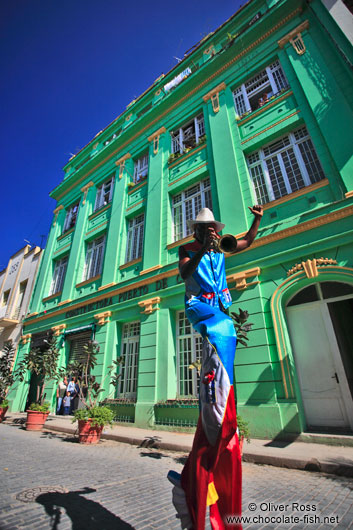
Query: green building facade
[[260, 111]]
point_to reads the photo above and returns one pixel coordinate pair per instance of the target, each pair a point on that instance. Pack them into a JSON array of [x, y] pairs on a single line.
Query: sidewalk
[[333, 459]]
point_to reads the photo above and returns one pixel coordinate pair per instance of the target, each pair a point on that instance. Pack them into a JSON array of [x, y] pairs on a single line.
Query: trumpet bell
[[227, 244]]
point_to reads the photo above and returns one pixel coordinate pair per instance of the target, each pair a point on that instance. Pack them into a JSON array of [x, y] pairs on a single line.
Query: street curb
[[314, 465]]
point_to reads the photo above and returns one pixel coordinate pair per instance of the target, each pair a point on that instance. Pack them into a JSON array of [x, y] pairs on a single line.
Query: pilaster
[[226, 181], [73, 274], [154, 209], [45, 267]]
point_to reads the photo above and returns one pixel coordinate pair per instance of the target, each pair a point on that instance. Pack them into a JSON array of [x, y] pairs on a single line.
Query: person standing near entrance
[[212, 474], [60, 394]]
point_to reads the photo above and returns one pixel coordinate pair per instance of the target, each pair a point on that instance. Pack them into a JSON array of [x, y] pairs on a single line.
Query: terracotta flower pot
[[88, 434], [35, 420], [3, 411]]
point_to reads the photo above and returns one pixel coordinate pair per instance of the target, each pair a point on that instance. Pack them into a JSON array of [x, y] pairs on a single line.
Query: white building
[[16, 285]]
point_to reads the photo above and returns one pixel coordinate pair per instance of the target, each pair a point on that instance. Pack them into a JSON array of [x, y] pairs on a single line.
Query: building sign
[[130, 294]]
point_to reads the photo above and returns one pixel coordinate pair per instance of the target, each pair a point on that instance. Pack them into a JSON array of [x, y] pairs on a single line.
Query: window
[[5, 298], [71, 216], [141, 168], [104, 194], [187, 204], [135, 238], [58, 276], [256, 92], [129, 353], [19, 300], [189, 350], [94, 258], [188, 136], [284, 166]]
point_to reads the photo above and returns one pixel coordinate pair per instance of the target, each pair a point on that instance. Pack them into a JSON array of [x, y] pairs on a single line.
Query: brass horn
[[226, 244]]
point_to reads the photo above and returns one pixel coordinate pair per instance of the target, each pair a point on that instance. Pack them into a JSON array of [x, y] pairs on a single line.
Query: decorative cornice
[[155, 138], [57, 330], [303, 191], [56, 213], [90, 280], [121, 164], [51, 297], [290, 37], [85, 189], [64, 302], [103, 318], [213, 95], [310, 266], [151, 269], [181, 100], [26, 338], [102, 287], [349, 194], [130, 263], [240, 278], [150, 305]]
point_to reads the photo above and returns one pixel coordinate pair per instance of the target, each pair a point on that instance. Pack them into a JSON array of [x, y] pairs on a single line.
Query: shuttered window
[[141, 168], [188, 135], [94, 258], [71, 216], [77, 343], [58, 276], [135, 238], [104, 194], [129, 353], [19, 300]]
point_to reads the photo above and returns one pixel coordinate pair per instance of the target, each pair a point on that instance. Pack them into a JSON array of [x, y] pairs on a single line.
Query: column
[[113, 242], [106, 338], [46, 262], [232, 211], [77, 243], [152, 254]]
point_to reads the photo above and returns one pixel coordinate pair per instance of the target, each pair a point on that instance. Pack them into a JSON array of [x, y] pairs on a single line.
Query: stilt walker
[[212, 474]]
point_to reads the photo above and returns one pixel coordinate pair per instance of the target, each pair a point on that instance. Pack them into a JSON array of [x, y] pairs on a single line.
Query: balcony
[[5, 320], [279, 108], [192, 161]]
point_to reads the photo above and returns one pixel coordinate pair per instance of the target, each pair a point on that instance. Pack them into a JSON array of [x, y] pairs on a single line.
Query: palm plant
[[6, 374]]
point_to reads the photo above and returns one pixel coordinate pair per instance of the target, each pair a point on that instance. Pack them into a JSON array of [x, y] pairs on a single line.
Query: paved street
[[118, 486]]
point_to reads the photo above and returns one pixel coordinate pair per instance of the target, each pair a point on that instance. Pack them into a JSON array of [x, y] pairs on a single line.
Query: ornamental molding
[[295, 38], [57, 330], [149, 305], [213, 95], [349, 194], [213, 76], [26, 338], [155, 138], [121, 163], [240, 278], [310, 266], [56, 213], [103, 318], [85, 189]]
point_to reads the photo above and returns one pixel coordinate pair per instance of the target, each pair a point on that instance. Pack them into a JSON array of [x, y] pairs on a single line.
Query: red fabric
[[222, 465]]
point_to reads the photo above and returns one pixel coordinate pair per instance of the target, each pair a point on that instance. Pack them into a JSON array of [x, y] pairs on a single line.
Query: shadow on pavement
[[59, 436], [84, 513], [155, 455]]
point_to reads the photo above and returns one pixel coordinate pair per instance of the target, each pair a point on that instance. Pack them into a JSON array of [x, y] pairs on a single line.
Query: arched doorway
[[320, 322]]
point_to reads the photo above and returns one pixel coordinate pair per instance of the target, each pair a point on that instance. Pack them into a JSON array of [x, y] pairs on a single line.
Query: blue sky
[[69, 68]]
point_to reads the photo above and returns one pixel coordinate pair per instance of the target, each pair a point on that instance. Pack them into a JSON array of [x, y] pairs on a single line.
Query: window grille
[[141, 168], [104, 194], [77, 353], [94, 258], [267, 83], [189, 350], [284, 166], [71, 217], [188, 135], [135, 238], [58, 276], [186, 206], [129, 352]]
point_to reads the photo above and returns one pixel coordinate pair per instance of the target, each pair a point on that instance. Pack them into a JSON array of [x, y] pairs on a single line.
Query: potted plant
[[44, 365], [92, 417], [6, 376]]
